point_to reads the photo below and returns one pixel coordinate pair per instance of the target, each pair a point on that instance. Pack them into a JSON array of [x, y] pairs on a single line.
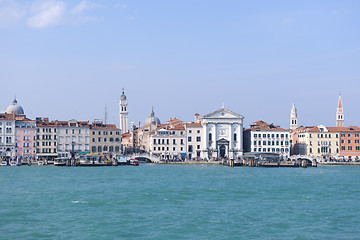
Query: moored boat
[[13, 163], [4, 163], [134, 162], [40, 162]]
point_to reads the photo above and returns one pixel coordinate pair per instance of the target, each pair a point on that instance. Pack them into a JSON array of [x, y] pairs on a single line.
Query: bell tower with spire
[[293, 118], [123, 113], [340, 114]]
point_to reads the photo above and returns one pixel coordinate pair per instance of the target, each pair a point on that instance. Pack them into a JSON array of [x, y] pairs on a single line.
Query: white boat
[[62, 159], [13, 163], [40, 162], [4, 163]]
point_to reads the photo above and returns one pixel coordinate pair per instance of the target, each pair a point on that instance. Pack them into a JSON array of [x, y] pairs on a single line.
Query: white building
[[222, 134], [169, 141], [7, 135], [264, 137], [194, 137], [73, 136]]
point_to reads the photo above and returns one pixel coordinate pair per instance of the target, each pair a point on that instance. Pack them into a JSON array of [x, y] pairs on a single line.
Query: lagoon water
[[179, 202]]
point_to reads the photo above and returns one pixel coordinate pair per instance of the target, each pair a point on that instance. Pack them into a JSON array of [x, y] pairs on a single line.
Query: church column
[[241, 146], [231, 139], [205, 140], [216, 138]]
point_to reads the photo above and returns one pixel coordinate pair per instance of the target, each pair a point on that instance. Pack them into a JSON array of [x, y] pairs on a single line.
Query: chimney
[[197, 119]]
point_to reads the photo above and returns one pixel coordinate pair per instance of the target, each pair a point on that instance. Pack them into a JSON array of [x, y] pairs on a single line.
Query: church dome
[[152, 120], [15, 108]]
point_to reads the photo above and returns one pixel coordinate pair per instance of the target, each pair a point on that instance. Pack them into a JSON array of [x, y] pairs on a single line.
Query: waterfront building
[[267, 138], [123, 106], [293, 118], [340, 114], [7, 135], [194, 139], [46, 138], [349, 141], [104, 138], [73, 136], [222, 134], [317, 141], [168, 140], [25, 137]]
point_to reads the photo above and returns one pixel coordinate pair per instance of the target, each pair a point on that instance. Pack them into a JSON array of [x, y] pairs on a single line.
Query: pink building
[[25, 137]]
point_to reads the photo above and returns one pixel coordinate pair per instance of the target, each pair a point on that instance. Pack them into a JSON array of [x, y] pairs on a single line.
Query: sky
[[70, 59]]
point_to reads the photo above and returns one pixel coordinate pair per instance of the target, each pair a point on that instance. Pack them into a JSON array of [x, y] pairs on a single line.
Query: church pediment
[[222, 141], [223, 113]]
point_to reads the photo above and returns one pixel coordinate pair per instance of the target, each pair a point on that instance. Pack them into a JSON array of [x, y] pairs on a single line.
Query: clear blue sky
[[70, 59]]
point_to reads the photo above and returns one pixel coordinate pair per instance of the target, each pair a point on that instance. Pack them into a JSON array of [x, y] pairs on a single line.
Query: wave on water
[[79, 202]]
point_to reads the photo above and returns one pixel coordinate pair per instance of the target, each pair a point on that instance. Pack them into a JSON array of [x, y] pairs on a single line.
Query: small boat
[[13, 163], [134, 162], [40, 162], [4, 163]]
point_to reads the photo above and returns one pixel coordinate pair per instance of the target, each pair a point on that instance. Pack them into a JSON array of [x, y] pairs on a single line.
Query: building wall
[[105, 139], [26, 141], [168, 143], [268, 141], [75, 139], [349, 144], [320, 144], [194, 142], [7, 135], [46, 141]]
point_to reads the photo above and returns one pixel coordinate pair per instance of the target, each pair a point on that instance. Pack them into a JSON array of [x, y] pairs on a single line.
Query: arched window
[[235, 137], [105, 148], [318, 150], [99, 149], [210, 136]]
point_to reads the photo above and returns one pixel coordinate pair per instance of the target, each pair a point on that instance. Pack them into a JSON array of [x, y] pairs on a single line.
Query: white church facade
[[222, 134]]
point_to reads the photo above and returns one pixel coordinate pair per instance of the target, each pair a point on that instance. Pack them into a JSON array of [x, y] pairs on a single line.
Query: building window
[[210, 137], [189, 139], [190, 148], [235, 137], [198, 146], [349, 148], [189, 131], [198, 139]]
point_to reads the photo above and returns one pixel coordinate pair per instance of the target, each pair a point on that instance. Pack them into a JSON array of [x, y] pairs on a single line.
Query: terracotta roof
[[193, 124], [7, 116], [344, 129], [104, 126], [264, 126]]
